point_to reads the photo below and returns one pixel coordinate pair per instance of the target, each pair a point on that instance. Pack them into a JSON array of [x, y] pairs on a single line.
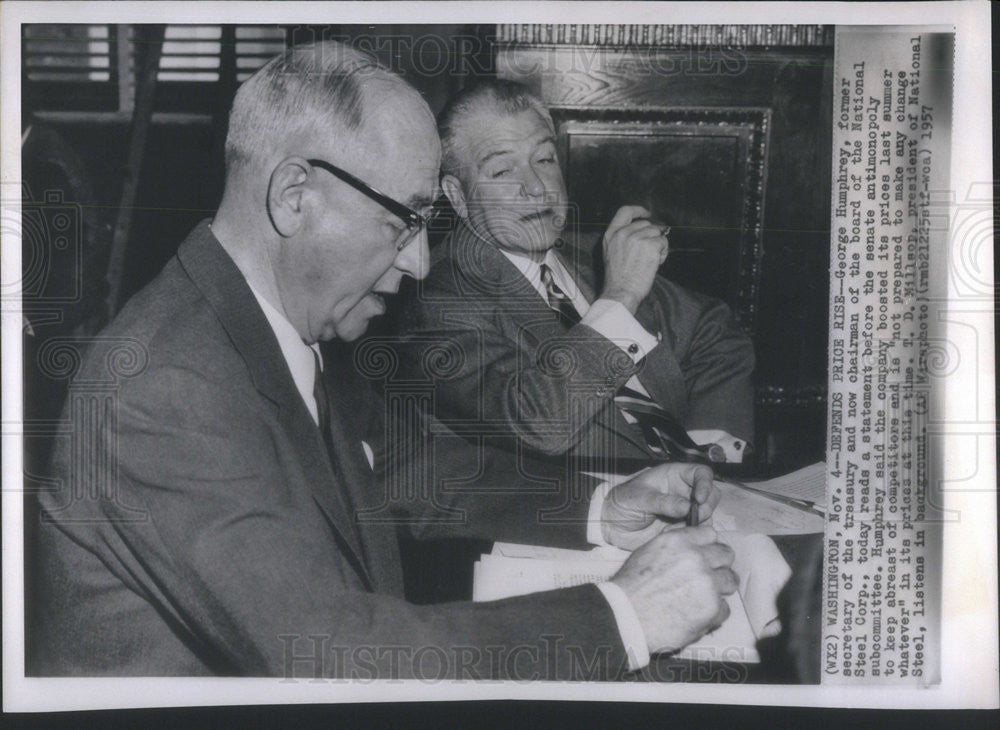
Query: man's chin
[[537, 241], [350, 331], [354, 323], [546, 232]]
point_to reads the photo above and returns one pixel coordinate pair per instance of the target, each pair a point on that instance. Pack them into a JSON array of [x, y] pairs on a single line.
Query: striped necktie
[[557, 299], [664, 435]]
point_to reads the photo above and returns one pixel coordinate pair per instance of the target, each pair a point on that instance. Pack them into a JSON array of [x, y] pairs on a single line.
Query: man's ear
[[452, 188], [285, 192]]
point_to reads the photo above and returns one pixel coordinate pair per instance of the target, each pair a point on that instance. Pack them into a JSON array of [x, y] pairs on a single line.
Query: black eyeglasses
[[415, 222]]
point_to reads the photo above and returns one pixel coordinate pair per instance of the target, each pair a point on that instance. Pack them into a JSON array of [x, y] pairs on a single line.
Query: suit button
[[633, 349]]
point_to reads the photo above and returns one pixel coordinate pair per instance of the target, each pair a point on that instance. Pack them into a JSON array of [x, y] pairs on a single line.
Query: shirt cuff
[[632, 635], [612, 320], [595, 532], [733, 447]]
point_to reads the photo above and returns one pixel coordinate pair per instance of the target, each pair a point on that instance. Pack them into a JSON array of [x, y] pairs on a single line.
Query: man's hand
[[637, 510], [634, 248], [676, 583]]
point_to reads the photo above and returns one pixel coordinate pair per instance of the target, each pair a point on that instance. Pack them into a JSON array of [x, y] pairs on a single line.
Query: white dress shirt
[[301, 362]]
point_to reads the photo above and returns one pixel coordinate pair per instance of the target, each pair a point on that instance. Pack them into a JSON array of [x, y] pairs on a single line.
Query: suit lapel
[[522, 309], [353, 415], [572, 258], [227, 292], [486, 274], [576, 260]]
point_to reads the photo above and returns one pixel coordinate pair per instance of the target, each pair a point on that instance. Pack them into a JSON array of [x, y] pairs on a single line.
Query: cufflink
[[633, 349], [716, 454]]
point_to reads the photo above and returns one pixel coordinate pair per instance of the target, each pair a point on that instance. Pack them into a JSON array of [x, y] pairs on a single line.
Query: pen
[[692, 518]]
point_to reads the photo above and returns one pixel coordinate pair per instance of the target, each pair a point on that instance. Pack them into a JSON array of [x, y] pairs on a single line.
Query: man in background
[[631, 367]]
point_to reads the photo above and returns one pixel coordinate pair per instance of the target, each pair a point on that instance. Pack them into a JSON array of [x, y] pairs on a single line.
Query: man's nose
[[414, 257], [532, 184]]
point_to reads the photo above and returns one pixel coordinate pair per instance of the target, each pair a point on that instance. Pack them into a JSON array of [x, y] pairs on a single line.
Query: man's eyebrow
[[491, 155], [549, 139]]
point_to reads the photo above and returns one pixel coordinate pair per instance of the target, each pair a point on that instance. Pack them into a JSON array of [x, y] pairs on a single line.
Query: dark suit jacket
[[522, 372], [201, 527]]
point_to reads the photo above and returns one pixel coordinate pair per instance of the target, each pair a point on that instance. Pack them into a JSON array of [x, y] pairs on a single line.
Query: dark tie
[[322, 397], [663, 434], [557, 299]]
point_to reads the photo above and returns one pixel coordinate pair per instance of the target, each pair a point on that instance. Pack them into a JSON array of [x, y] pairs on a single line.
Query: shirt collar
[[532, 272], [301, 358]]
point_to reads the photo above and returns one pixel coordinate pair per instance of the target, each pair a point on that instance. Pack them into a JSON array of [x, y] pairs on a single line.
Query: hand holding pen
[[667, 494], [692, 515]]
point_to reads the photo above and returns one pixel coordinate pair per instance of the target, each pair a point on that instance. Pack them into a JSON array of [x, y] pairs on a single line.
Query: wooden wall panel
[[699, 169]]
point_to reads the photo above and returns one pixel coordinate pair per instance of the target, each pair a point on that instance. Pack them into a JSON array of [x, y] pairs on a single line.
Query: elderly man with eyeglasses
[[232, 535]]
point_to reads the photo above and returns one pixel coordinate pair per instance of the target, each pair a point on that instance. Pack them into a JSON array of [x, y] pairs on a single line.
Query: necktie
[[322, 398], [663, 434], [557, 298]]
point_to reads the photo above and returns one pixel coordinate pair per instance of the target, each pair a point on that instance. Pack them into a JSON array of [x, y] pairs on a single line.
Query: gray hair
[[497, 95], [315, 86]]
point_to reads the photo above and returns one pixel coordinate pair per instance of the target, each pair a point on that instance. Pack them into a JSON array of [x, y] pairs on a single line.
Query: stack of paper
[[512, 570]]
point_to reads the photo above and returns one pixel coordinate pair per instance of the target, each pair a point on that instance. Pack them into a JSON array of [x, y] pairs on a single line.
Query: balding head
[[322, 251], [488, 98], [322, 90]]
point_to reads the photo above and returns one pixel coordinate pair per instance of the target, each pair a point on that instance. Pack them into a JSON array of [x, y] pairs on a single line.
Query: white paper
[[807, 484], [745, 511]]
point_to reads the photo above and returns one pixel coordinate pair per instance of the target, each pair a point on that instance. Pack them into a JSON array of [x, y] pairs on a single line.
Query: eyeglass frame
[[415, 222]]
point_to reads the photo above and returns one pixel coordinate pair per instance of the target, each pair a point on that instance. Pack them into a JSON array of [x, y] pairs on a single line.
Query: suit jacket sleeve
[[700, 341], [539, 381], [493, 494], [235, 555]]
